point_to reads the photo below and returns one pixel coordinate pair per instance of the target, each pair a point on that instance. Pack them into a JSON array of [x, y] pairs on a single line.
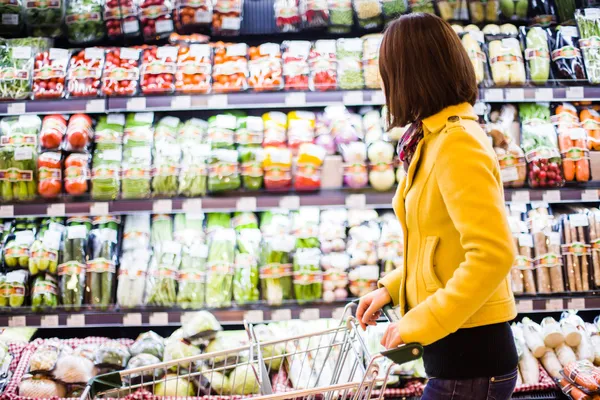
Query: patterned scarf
[[409, 142]]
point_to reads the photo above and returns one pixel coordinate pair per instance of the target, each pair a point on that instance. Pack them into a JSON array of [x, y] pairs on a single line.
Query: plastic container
[[341, 16], [300, 128], [227, 17], [315, 14], [158, 70], [11, 17], [85, 73], [349, 64], [393, 8], [84, 23], [121, 72], [221, 131], [50, 73], [278, 168], [44, 18], [474, 44], [506, 61], [121, 19], [370, 61], [296, 70], [484, 11], [287, 15], [567, 63], [194, 69], [230, 68], [223, 171], [52, 132], [265, 67], [588, 22], [572, 144], [137, 156], [17, 66], [355, 164], [77, 174], [453, 10], [49, 175], [156, 19], [537, 55], [323, 66], [275, 129], [194, 16], [251, 164], [368, 13], [308, 167]]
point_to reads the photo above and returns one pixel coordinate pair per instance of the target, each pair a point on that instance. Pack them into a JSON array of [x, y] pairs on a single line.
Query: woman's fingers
[[363, 305], [391, 337]]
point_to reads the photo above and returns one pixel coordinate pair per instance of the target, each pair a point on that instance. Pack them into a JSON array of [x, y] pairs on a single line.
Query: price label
[[15, 108], [181, 102], [76, 320], [576, 304], [246, 204], [159, 319], [524, 305], [575, 93], [281, 315], [254, 316], [514, 94], [164, 206], [132, 319], [56, 210], [353, 98], [95, 106], [7, 211], [356, 201], [338, 313], [49, 321], [589, 195], [131, 26], [136, 104], [494, 95], [217, 101], [578, 220], [295, 99], [192, 206], [551, 196], [518, 208], [543, 94], [98, 209], [554, 305], [520, 196], [17, 321], [309, 314], [289, 202], [378, 97]]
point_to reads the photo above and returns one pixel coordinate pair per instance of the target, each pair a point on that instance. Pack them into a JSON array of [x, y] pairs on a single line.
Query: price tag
[[524, 305], [295, 99], [544, 94], [589, 195], [575, 93], [98, 209], [539, 204], [356, 201], [289, 202], [165, 25], [525, 240], [520, 196], [509, 174], [181, 102], [56, 210], [254, 316], [15, 108], [159, 319], [217, 101], [352, 98], [17, 321], [578, 220], [7, 211], [514, 94], [49, 321], [162, 206], [132, 319], [309, 314], [281, 315], [136, 104], [494, 95], [131, 26], [518, 208], [95, 106], [554, 305], [338, 313], [551, 196], [246, 204], [76, 320], [378, 97], [192, 206], [576, 304]]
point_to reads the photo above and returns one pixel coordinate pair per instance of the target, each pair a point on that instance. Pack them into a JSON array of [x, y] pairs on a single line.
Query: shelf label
[[136, 104], [554, 305], [56, 210], [310, 314], [551, 196], [575, 93], [217, 101], [15, 108], [181, 102], [17, 321], [514, 94], [544, 94], [520, 196], [7, 211], [76, 320], [378, 97], [132, 319], [576, 303], [164, 206], [192, 206], [356, 201], [95, 106], [494, 95], [295, 99], [518, 208], [354, 97], [524, 305], [98, 209], [283, 314], [338, 313], [254, 316], [49, 321], [159, 318], [289, 202], [589, 195], [246, 204]]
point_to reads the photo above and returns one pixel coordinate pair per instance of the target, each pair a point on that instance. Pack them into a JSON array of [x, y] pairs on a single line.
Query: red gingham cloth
[[16, 350], [546, 383]]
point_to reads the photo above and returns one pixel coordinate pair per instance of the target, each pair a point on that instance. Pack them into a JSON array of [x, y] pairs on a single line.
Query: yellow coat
[[458, 248]]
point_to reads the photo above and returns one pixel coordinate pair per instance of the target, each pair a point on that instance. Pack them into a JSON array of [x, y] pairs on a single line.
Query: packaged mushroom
[[547, 262], [594, 219], [576, 251]]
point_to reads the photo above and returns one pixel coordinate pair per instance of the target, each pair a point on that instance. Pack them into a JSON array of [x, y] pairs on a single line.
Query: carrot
[[572, 391], [584, 374], [569, 169], [582, 170]]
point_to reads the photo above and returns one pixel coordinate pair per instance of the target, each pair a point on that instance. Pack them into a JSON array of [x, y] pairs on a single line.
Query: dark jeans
[[495, 388]]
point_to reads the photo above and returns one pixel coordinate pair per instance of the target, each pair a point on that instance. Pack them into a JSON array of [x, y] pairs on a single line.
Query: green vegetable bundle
[[341, 16], [589, 28], [44, 252], [84, 21], [251, 159], [162, 229], [161, 289], [10, 15], [537, 54], [221, 131], [192, 131], [276, 269], [137, 156], [44, 293], [71, 270], [44, 18], [305, 227], [167, 157], [106, 170], [17, 249], [15, 287], [223, 171], [220, 263], [349, 65], [193, 174], [308, 278], [192, 277], [101, 267], [273, 224], [246, 274], [244, 220], [4, 291], [16, 66], [249, 131]]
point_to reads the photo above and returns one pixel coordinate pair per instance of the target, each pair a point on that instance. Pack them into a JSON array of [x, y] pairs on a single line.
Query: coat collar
[[436, 122]]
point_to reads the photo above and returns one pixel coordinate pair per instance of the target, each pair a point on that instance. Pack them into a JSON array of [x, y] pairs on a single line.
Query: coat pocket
[[432, 282]]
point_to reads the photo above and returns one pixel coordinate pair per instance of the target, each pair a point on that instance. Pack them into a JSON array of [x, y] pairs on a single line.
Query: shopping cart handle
[[389, 313], [404, 353]]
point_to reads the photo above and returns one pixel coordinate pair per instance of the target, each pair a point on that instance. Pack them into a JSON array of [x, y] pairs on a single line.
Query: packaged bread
[[522, 272], [547, 262], [576, 251], [594, 229]]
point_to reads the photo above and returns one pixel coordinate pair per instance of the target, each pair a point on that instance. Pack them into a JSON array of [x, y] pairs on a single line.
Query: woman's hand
[[369, 307], [391, 337]]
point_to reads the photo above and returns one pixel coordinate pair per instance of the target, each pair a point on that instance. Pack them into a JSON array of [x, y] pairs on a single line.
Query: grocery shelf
[[540, 94], [64, 106], [558, 302]]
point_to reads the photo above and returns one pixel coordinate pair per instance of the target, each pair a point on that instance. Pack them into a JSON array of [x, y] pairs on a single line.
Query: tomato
[[49, 188], [76, 187]]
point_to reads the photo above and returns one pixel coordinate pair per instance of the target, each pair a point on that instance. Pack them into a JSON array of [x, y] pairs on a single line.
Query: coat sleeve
[[468, 178]]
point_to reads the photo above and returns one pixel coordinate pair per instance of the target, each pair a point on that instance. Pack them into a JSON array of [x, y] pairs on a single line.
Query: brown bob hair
[[424, 68]]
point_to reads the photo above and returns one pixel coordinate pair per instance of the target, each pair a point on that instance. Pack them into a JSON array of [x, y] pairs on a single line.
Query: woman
[[453, 290]]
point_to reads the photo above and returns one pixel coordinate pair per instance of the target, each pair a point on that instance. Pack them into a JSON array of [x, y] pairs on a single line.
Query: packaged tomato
[[275, 128], [295, 64], [77, 173], [50, 73], [121, 72], [227, 17], [315, 14], [194, 15], [265, 67], [79, 133], [308, 167], [194, 67], [120, 17], [230, 68], [287, 15], [158, 69], [85, 72], [52, 132], [277, 166], [323, 65], [49, 174], [300, 128], [157, 22]]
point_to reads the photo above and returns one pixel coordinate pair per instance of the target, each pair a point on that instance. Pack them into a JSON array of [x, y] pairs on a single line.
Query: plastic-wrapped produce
[[192, 273], [106, 170], [44, 252], [193, 174], [194, 69], [349, 64], [390, 247], [227, 17], [230, 68], [315, 14], [101, 266], [161, 288], [83, 21], [368, 13], [332, 230], [276, 269], [370, 60], [295, 64], [355, 166], [381, 169], [547, 262], [537, 54], [277, 165], [194, 16], [307, 274], [473, 42], [506, 61], [453, 10], [71, 271], [158, 70], [483, 11], [11, 15], [121, 72], [577, 252], [15, 287], [287, 15], [323, 66], [167, 157], [49, 74], [137, 155], [246, 271], [112, 354], [121, 19], [567, 64], [223, 171], [275, 128], [300, 128], [134, 261], [44, 18], [85, 73], [571, 143], [335, 276], [265, 67], [220, 268], [156, 19], [221, 131], [588, 22], [341, 16], [308, 167], [363, 279]]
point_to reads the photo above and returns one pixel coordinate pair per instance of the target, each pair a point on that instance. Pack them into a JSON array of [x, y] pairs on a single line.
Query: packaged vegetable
[[223, 171], [368, 13], [80, 133], [193, 173], [144, 360], [362, 245], [167, 157], [363, 279], [323, 66], [52, 132], [308, 167], [112, 354], [514, 9], [295, 64], [277, 165], [11, 15], [483, 11], [513, 167], [101, 266], [17, 65], [148, 343], [588, 22], [193, 16], [40, 387], [300, 128], [335, 276], [537, 54], [332, 230], [158, 70], [287, 15], [194, 69], [424, 6], [44, 18], [473, 43], [49, 175], [83, 21], [192, 276], [249, 131], [246, 272], [276, 269], [506, 61], [164, 268], [121, 72], [315, 14], [243, 381], [132, 278], [275, 129], [137, 155], [572, 144], [49, 74], [265, 67], [381, 170], [349, 64], [220, 268], [355, 165], [584, 374], [567, 64], [106, 169], [15, 287], [370, 60], [71, 270], [73, 369], [230, 68], [202, 325], [85, 72], [547, 263], [251, 161], [227, 17], [393, 9], [590, 121], [44, 252], [121, 19], [156, 19], [341, 16], [77, 173], [307, 275], [221, 131], [577, 251]]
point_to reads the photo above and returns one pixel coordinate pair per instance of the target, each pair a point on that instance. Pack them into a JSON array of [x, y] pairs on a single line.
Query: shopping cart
[[333, 363]]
